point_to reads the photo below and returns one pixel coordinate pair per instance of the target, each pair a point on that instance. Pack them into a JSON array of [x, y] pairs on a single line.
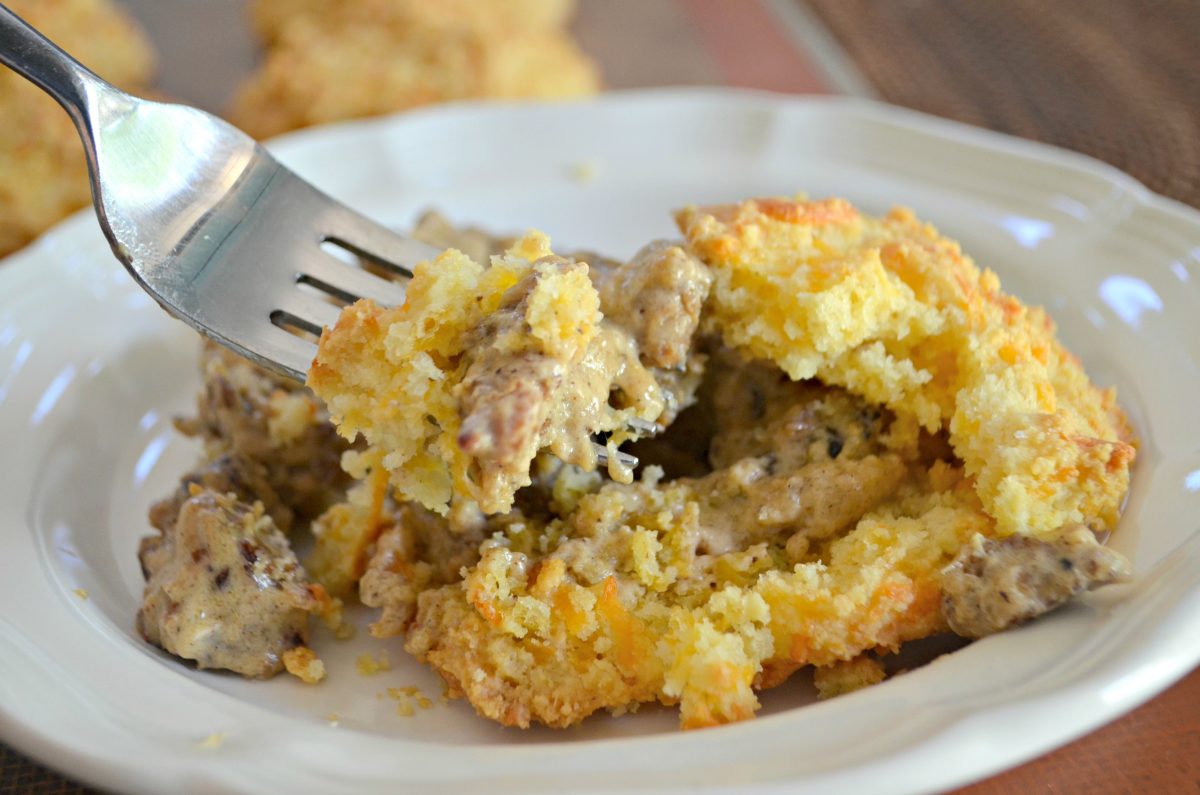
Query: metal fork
[[210, 224]]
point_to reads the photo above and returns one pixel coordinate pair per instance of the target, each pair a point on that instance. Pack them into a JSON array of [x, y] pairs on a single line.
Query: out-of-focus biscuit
[[370, 57], [405, 17], [43, 175]]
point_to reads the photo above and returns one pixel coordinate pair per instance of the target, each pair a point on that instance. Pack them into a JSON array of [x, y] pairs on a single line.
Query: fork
[[211, 225]]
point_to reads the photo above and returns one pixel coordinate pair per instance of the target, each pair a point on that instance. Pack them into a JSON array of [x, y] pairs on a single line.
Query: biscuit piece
[[458, 389], [370, 58], [43, 174], [629, 607], [271, 17], [893, 311], [685, 592]]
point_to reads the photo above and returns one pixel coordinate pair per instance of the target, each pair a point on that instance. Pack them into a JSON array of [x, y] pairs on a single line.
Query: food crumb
[[847, 676], [585, 171], [333, 719], [406, 698], [368, 665], [212, 741], [331, 612], [302, 662], [81, 593]]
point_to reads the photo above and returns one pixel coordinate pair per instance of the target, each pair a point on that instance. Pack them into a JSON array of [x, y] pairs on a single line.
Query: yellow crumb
[[302, 662], [333, 719], [81, 593], [212, 741], [368, 665], [585, 171], [407, 699]]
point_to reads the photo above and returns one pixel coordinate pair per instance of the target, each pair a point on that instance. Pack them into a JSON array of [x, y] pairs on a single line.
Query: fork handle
[[33, 56]]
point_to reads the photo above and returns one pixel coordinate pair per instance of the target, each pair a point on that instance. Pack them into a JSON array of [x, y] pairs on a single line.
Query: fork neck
[[33, 56]]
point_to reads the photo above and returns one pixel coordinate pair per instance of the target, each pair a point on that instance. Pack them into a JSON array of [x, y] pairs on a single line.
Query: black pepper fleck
[[758, 402], [834, 445]]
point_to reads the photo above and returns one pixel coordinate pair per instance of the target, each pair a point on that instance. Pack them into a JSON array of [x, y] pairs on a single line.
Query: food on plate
[[901, 316], [482, 368], [275, 433], [331, 61], [43, 174], [223, 587], [864, 442], [996, 583]]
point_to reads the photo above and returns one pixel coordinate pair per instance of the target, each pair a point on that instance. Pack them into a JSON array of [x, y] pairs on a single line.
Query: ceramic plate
[[91, 371]]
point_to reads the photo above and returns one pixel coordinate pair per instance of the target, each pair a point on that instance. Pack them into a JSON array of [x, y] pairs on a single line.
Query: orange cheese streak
[[625, 628]]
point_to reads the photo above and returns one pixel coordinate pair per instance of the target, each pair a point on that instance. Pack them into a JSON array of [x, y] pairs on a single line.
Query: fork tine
[[370, 240], [275, 348], [296, 353], [643, 427], [624, 458], [349, 283], [312, 310]]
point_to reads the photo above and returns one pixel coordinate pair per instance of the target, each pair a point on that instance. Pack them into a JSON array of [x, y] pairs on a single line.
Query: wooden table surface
[[1115, 80]]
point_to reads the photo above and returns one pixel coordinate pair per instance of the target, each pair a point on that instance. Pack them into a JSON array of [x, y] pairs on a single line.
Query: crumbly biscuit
[[836, 477], [454, 390], [891, 310]]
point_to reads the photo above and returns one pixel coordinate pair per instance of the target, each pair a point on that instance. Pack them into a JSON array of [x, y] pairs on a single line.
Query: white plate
[[91, 371]]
